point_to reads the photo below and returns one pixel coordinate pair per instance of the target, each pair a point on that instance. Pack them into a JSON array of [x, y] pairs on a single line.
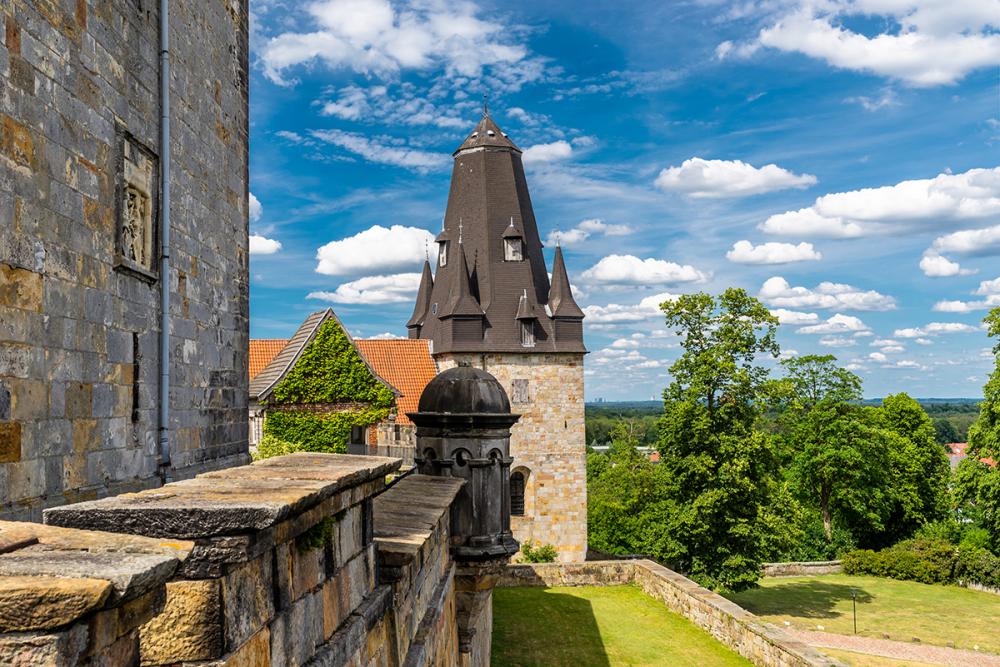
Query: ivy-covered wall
[[330, 371]]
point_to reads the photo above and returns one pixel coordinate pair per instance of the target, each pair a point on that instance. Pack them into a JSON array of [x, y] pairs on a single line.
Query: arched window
[[517, 493]]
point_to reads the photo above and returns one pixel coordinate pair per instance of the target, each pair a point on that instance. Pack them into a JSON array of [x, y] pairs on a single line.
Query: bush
[[977, 565], [975, 538], [541, 553], [929, 561]]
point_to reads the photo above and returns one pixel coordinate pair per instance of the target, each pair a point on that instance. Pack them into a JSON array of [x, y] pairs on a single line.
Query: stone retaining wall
[[761, 643], [800, 568]]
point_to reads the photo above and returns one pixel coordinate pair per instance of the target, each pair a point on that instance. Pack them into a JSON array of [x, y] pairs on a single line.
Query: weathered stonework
[[548, 443], [79, 290]]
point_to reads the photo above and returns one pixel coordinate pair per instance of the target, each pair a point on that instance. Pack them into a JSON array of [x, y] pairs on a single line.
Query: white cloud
[[972, 241], [794, 317], [885, 100], [988, 287], [878, 357], [584, 231], [629, 269], [383, 152], [777, 292], [373, 290], [745, 252], [598, 226], [946, 198], [935, 266], [256, 210], [837, 324], [376, 37], [700, 178], [377, 250], [935, 329], [400, 104], [837, 341], [936, 43], [557, 150], [648, 308], [260, 245], [386, 336]]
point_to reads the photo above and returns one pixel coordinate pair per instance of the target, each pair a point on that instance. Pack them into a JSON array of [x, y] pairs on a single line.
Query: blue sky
[[840, 159]]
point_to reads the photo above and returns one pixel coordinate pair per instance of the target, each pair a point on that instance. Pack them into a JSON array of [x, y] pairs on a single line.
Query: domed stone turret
[[464, 390]]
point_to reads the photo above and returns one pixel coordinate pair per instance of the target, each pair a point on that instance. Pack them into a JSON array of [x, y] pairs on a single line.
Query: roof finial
[[427, 252], [459, 230], [511, 221], [486, 105]]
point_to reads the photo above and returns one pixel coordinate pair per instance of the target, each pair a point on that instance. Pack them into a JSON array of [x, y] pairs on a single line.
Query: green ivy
[[288, 431], [330, 370]]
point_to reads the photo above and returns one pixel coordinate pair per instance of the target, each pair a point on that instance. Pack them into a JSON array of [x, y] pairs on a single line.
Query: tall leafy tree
[[979, 483], [837, 459], [721, 466], [921, 469]]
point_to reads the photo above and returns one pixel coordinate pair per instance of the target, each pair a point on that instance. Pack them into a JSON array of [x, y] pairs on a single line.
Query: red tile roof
[[404, 363], [262, 351]]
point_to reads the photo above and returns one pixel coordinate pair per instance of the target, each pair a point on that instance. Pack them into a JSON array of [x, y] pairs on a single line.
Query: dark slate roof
[[264, 383], [488, 191], [561, 301], [486, 133], [420, 310]]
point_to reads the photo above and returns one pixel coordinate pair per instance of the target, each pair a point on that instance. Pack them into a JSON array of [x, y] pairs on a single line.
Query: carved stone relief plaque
[[136, 243]]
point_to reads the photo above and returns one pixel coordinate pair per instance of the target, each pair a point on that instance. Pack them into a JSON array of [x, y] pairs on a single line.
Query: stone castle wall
[[295, 560], [79, 283], [548, 442]]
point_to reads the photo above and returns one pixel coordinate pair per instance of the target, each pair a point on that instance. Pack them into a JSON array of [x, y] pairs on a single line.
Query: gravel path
[[935, 655]]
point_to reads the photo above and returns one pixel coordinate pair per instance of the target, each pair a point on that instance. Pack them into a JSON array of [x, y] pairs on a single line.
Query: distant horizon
[[919, 399]]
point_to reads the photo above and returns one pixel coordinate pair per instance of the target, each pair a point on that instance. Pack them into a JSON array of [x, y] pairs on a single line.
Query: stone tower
[[491, 305]]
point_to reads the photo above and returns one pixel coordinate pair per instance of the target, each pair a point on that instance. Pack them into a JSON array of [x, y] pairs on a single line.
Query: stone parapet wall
[[73, 597], [761, 643], [282, 569], [800, 568], [548, 443]]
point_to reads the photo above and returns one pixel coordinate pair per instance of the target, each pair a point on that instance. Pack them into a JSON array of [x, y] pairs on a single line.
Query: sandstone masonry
[[79, 235], [547, 443]]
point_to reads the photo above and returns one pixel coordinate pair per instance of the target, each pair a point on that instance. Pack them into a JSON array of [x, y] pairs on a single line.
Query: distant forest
[[952, 418]]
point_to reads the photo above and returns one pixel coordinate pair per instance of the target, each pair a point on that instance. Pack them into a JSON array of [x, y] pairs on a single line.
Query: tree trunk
[[824, 504]]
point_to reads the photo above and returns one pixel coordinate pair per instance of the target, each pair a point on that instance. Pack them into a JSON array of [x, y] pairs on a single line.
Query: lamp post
[[854, 605]]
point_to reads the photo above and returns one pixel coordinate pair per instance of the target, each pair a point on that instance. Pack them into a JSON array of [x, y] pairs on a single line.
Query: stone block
[[330, 599], [189, 627], [247, 600], [308, 570], [55, 649], [20, 288], [10, 442], [79, 400], [255, 652], [32, 603]]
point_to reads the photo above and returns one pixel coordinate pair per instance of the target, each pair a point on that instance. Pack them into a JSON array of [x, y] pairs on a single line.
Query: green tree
[[978, 484], [722, 468], [945, 432], [921, 469]]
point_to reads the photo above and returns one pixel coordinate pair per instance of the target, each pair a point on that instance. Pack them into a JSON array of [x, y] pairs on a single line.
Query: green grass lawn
[[597, 626], [900, 609]]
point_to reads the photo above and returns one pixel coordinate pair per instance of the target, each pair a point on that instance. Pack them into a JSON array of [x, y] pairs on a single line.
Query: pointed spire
[[487, 133], [525, 309], [561, 301], [423, 304], [461, 301]]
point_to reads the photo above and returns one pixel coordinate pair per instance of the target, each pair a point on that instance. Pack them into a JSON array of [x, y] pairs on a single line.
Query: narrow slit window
[[443, 254], [517, 494]]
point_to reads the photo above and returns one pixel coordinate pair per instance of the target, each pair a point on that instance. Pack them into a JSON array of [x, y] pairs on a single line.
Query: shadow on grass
[[534, 626], [808, 599]]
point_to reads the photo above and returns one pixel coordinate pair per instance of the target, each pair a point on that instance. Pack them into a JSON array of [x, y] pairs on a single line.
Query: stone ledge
[[407, 515], [53, 577], [227, 502], [762, 643]]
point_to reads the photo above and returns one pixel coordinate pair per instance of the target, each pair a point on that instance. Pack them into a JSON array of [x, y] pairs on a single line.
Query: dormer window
[[513, 249], [527, 333], [443, 254]]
